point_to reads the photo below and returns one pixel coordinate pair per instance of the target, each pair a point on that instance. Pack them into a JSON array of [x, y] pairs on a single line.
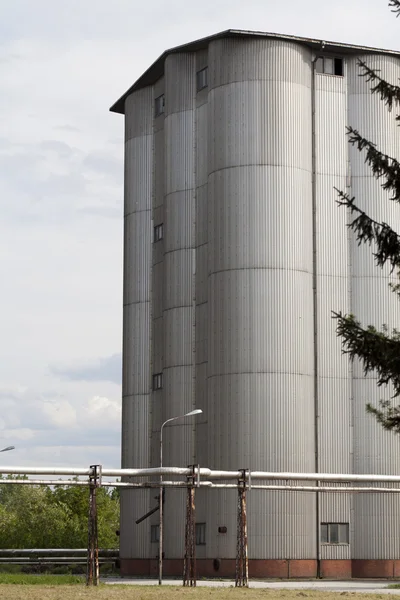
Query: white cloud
[[100, 410], [60, 413], [61, 421]]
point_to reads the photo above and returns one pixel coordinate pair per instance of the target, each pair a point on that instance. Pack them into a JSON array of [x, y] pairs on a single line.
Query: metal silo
[[179, 281], [136, 390], [236, 254], [260, 288], [376, 517]]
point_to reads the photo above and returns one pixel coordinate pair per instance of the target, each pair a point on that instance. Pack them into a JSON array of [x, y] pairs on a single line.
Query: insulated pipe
[[180, 471], [66, 482], [298, 488], [103, 552], [294, 488], [44, 471], [150, 472], [322, 477], [207, 484], [212, 485]]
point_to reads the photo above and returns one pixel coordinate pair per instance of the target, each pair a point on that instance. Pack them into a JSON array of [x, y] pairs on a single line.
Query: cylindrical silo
[[376, 516], [136, 387], [179, 282], [260, 290]]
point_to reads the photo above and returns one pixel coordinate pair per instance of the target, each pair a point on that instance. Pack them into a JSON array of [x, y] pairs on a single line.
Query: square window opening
[[159, 105], [202, 79], [334, 533], [338, 67], [200, 534], [158, 232], [157, 381], [329, 66]]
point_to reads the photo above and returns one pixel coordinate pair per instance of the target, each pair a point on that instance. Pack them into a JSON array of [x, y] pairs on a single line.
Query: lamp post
[[7, 449], [192, 413]]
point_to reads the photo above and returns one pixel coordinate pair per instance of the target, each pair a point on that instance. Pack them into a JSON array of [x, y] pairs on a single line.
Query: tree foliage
[[57, 517], [378, 350]]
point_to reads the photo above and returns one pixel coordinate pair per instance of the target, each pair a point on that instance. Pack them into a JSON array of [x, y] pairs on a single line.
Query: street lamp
[[192, 413], [7, 449]]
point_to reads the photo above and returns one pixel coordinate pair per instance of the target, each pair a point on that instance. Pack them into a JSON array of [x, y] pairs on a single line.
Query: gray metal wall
[[179, 280], [226, 304], [136, 422], [260, 262], [332, 293]]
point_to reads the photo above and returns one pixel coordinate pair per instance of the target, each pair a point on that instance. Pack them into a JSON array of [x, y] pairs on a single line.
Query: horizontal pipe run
[[45, 471], [272, 487], [80, 560], [328, 477], [303, 488], [103, 552], [204, 484], [255, 475], [178, 471], [65, 482], [205, 474]]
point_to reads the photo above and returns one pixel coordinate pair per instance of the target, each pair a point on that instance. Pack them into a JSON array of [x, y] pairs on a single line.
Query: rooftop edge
[[156, 70]]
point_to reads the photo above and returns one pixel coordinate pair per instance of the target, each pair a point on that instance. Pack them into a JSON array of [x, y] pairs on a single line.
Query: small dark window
[[202, 79], [157, 381], [200, 534], [334, 533], [158, 232], [339, 67], [159, 105], [329, 66], [155, 534]]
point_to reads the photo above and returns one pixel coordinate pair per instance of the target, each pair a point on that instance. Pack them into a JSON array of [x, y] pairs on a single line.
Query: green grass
[[167, 592], [26, 579]]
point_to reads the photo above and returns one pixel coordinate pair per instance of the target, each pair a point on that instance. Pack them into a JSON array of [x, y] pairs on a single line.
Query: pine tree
[[377, 350]]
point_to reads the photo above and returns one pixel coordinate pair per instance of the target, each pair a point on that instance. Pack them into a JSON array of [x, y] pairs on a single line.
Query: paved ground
[[371, 587]]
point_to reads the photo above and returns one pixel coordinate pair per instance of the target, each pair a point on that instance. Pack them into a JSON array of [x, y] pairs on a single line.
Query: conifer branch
[[388, 92], [378, 351], [368, 230], [395, 5], [382, 165]]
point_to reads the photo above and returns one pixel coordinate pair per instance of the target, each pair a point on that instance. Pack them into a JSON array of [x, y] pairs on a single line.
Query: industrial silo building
[[235, 255]]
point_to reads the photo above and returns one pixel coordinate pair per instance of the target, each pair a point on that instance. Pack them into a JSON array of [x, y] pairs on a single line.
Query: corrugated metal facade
[[136, 385], [234, 304]]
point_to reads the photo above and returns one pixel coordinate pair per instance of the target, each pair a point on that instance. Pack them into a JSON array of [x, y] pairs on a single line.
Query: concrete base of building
[[274, 569]]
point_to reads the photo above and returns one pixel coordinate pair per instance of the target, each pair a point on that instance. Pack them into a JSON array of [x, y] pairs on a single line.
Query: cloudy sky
[[62, 64]]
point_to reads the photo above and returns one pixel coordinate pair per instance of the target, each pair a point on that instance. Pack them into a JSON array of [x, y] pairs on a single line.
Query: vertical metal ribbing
[[242, 562], [189, 563], [92, 571], [315, 307]]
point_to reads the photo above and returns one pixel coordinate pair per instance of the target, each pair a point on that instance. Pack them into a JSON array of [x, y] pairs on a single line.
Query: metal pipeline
[[204, 477]]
